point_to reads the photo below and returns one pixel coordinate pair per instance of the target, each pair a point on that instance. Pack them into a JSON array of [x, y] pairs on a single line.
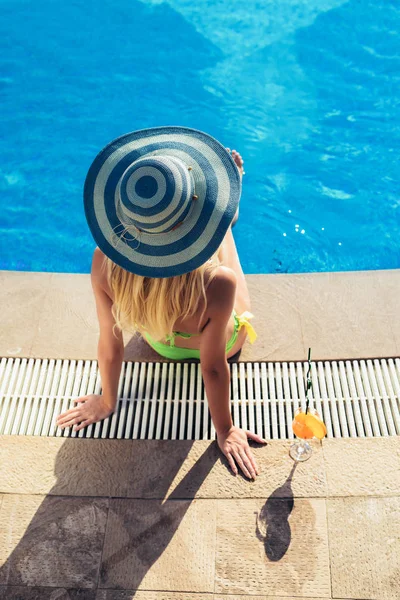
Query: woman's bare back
[[190, 325]]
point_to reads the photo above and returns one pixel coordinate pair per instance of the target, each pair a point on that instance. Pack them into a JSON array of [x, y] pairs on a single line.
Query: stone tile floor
[[166, 520]]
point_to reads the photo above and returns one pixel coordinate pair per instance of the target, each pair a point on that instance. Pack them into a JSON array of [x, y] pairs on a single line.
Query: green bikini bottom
[[172, 351]]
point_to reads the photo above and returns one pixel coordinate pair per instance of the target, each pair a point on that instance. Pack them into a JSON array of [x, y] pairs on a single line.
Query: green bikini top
[[171, 338]]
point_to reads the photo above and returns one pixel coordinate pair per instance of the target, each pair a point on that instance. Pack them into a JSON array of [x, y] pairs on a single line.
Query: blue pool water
[[308, 91]]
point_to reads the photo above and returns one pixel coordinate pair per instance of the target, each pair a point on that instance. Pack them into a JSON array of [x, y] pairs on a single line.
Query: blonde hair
[[152, 305]]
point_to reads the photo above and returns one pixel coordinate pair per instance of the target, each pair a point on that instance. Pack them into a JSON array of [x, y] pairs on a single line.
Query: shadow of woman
[[272, 524], [62, 545]]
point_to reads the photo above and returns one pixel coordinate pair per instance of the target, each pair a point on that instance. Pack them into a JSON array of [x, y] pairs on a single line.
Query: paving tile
[[27, 464], [151, 545], [54, 315], [199, 469], [22, 296], [150, 469], [345, 315], [64, 466], [142, 595], [128, 595], [44, 593], [276, 547], [277, 319], [70, 310], [372, 466], [389, 281], [364, 540], [51, 541], [245, 597]]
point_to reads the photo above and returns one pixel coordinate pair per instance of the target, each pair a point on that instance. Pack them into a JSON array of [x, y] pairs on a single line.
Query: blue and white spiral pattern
[[155, 193], [115, 190]]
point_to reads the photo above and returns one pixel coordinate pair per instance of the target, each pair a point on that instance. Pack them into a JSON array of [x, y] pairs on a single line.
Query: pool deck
[[343, 315], [166, 520]]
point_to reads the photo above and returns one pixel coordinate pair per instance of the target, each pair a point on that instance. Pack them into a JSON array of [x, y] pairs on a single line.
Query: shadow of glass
[[272, 524], [63, 544]]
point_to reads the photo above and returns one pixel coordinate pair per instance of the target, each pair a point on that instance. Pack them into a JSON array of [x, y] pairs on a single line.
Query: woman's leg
[[229, 257]]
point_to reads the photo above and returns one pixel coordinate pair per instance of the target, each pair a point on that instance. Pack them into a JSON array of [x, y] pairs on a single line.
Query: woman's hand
[[92, 409], [234, 445], [238, 160]]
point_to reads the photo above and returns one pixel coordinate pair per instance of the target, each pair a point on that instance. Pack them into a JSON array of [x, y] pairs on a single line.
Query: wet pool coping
[[342, 315]]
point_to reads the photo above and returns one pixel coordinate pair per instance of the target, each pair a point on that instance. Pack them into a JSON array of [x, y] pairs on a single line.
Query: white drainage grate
[[357, 398]]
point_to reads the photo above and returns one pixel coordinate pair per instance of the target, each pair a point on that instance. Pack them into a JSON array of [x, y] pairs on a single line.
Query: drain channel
[[357, 398]]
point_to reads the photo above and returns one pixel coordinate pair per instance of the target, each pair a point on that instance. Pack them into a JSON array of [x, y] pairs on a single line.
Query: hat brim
[[178, 251]]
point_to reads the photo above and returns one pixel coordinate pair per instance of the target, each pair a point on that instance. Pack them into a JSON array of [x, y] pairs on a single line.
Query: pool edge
[[343, 315]]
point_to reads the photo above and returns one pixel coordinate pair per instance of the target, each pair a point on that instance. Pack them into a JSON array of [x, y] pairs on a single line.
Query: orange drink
[[305, 426]]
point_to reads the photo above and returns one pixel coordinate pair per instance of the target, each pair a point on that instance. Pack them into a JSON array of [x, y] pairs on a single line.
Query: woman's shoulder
[[222, 284], [223, 277]]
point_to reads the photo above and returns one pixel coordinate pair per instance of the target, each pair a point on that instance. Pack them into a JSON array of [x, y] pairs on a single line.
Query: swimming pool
[[308, 91]]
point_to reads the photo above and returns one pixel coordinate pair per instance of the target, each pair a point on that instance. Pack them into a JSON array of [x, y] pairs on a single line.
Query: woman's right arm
[[110, 349], [110, 352]]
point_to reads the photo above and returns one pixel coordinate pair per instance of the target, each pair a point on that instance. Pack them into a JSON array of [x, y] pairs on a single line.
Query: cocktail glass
[[301, 450]]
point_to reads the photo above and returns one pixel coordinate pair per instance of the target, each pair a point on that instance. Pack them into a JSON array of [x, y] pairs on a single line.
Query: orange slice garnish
[[300, 428], [316, 424]]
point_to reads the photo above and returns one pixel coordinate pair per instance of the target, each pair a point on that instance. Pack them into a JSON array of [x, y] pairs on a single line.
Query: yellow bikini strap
[[249, 327]]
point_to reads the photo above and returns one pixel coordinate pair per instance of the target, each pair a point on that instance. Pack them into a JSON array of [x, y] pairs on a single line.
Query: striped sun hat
[[144, 183]]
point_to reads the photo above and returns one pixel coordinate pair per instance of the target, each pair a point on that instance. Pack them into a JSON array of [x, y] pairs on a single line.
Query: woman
[[160, 204]]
